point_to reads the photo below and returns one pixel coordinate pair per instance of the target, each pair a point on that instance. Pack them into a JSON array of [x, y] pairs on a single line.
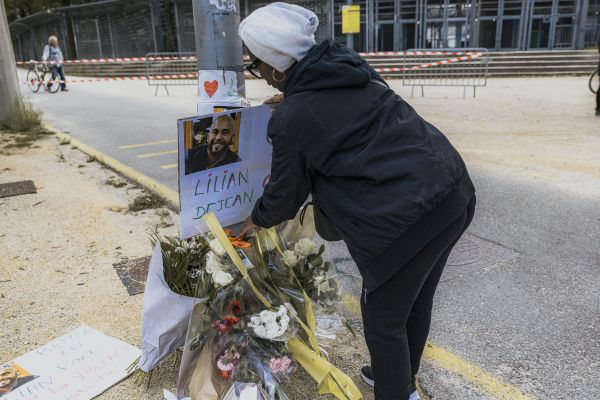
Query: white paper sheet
[[77, 366]]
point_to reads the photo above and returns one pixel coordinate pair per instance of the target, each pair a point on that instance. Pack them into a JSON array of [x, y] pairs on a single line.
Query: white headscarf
[[279, 34]]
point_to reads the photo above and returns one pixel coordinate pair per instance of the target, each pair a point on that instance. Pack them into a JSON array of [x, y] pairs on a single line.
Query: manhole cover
[[473, 253], [16, 188], [133, 274], [465, 252]]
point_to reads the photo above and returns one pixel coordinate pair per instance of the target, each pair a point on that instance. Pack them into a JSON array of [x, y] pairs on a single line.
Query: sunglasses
[[253, 68]]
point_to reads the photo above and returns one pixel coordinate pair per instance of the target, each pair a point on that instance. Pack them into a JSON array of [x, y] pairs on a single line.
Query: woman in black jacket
[[396, 190]]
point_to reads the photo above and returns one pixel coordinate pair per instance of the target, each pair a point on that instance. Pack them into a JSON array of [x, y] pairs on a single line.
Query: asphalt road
[[520, 298]]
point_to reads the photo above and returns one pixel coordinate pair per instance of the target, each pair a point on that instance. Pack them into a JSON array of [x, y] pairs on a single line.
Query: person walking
[[53, 55], [390, 183]]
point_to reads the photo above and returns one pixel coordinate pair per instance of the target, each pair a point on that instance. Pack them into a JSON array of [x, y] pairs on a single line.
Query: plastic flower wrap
[[268, 304]]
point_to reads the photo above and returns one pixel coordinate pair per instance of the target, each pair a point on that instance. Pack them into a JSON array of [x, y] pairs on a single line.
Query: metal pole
[[553, 22], [218, 46], [9, 86], [349, 36], [110, 35], [581, 20], [331, 18], [499, 22], [156, 19]]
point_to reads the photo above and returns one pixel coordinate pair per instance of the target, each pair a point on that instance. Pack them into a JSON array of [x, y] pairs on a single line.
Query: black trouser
[[397, 315], [60, 71]]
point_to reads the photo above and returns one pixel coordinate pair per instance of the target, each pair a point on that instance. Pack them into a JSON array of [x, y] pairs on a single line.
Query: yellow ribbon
[[329, 379], [217, 230], [311, 329]]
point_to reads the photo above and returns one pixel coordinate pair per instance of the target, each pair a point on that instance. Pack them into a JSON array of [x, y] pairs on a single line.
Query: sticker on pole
[[351, 19], [224, 164]]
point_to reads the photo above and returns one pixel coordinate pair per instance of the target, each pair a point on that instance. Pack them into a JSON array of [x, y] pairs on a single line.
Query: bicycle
[[36, 78], [591, 81]]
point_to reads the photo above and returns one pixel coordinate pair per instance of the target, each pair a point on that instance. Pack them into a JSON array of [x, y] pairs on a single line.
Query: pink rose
[[280, 364]]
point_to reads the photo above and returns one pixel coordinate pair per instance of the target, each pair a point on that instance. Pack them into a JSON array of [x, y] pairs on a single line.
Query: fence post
[[156, 18]]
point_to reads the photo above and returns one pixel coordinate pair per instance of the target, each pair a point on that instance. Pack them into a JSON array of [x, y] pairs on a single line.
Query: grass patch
[[23, 118], [64, 142], [145, 202], [91, 159], [21, 141], [61, 157], [21, 126], [115, 182]]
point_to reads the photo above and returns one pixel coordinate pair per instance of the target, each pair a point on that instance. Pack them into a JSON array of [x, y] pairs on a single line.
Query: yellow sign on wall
[[351, 19]]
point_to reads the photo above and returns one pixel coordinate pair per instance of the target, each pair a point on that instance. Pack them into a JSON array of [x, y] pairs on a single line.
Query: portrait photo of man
[[213, 148]]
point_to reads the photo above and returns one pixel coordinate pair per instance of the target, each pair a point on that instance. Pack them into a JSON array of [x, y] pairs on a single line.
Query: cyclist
[[53, 54]]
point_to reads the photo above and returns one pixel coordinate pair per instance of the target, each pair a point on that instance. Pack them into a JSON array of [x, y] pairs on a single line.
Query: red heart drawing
[[211, 87]]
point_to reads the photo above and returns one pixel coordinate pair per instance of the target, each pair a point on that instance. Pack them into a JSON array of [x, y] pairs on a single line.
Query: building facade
[[129, 28]]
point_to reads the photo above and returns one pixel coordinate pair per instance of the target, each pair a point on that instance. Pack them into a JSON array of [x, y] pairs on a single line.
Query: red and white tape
[[107, 60], [195, 75], [246, 58], [418, 53], [431, 64], [124, 78]]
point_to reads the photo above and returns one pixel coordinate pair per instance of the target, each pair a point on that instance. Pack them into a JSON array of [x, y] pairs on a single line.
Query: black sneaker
[[366, 373]]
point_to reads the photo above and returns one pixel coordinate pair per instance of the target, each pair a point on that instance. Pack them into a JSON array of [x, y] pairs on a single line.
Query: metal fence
[[132, 28], [171, 69], [109, 28], [443, 67]]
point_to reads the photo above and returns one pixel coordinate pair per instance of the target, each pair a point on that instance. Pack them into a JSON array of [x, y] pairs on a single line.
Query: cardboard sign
[[77, 366], [351, 19], [224, 165]]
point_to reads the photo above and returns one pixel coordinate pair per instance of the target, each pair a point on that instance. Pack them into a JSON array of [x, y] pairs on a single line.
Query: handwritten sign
[[77, 366], [218, 88], [224, 164]]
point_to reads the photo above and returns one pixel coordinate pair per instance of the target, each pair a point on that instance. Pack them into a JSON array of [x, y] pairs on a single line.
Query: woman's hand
[[278, 98], [247, 227]]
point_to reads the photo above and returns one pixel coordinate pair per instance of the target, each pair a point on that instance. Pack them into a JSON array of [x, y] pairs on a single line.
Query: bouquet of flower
[[252, 320]]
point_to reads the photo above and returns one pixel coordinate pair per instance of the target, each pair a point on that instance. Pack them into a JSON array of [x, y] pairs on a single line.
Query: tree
[[9, 85]]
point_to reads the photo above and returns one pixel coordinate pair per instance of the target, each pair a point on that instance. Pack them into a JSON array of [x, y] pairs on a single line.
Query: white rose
[[222, 278], [270, 324], [216, 269], [290, 258], [216, 246], [305, 247]]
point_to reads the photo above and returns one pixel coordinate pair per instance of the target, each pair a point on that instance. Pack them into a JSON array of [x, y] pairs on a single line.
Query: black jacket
[[371, 162]]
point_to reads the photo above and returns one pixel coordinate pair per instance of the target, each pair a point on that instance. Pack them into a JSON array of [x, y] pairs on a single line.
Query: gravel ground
[[56, 272]]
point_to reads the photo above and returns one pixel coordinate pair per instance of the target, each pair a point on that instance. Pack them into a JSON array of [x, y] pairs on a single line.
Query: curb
[[163, 191]]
